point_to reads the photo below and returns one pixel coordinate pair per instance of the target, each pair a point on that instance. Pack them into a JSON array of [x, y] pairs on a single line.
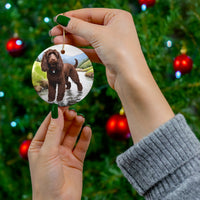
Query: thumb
[[54, 132], [81, 28]]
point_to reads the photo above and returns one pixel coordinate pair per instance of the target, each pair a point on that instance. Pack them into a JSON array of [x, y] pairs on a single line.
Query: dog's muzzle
[[53, 64]]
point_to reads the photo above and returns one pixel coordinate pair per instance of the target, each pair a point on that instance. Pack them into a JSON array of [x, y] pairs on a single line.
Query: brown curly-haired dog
[[58, 73]]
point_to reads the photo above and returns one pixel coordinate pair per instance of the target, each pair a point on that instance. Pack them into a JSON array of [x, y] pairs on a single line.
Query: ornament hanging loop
[[63, 50]]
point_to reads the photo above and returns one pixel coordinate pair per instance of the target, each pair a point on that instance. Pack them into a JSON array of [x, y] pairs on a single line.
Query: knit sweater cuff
[[160, 159]]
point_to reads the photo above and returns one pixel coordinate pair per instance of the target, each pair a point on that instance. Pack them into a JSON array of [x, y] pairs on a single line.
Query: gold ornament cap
[[183, 50], [121, 112], [30, 136]]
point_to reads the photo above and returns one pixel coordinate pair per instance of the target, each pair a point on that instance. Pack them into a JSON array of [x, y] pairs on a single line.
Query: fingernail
[[81, 115], [88, 125], [54, 111], [62, 20], [72, 109]]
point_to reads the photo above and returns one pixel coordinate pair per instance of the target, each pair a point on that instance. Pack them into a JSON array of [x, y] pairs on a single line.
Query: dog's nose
[[53, 60]]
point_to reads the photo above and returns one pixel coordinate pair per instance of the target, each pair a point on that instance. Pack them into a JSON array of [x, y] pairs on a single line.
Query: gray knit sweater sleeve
[[166, 164]]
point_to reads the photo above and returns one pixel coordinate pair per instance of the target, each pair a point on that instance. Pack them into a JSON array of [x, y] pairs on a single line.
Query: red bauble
[[117, 127], [148, 3], [23, 149], [15, 47], [183, 64]]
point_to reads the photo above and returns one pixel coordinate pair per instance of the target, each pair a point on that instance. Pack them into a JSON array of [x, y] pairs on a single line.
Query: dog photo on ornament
[[62, 78]]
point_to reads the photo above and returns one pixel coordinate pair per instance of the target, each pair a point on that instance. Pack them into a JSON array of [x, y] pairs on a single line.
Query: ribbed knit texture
[[165, 164]]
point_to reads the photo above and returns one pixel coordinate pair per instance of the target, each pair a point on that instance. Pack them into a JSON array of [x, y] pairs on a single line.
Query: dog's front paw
[[51, 99], [60, 98]]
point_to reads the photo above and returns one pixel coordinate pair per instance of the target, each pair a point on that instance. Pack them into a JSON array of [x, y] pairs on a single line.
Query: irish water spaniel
[[58, 73]]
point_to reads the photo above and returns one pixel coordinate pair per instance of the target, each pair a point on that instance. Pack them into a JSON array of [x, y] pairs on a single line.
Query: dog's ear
[[44, 62], [60, 61]]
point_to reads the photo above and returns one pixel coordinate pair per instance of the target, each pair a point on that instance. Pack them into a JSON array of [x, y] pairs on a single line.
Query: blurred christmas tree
[[164, 30]]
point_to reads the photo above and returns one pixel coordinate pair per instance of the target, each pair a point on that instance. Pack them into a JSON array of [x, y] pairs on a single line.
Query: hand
[[113, 36], [56, 164], [110, 32]]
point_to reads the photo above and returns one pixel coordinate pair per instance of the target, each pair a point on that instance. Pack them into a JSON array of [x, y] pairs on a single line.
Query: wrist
[[38, 194], [42, 197], [145, 106], [132, 75]]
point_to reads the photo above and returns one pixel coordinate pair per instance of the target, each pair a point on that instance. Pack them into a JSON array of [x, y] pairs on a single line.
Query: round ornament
[[62, 74], [183, 64], [15, 46], [23, 149], [117, 127], [147, 3]]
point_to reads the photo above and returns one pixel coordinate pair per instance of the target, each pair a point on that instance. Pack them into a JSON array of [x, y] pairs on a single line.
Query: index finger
[[92, 15], [40, 134]]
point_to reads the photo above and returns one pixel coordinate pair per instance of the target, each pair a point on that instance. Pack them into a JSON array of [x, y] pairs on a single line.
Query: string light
[[19, 42], [143, 7], [169, 43], [13, 124], [2, 94], [178, 74], [8, 6], [46, 19]]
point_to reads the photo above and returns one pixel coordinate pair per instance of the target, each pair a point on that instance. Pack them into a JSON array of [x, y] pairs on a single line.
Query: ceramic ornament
[[62, 74]]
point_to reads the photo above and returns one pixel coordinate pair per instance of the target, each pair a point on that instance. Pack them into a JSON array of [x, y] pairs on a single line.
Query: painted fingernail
[[81, 115], [54, 111], [72, 109], [88, 125], [62, 20]]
